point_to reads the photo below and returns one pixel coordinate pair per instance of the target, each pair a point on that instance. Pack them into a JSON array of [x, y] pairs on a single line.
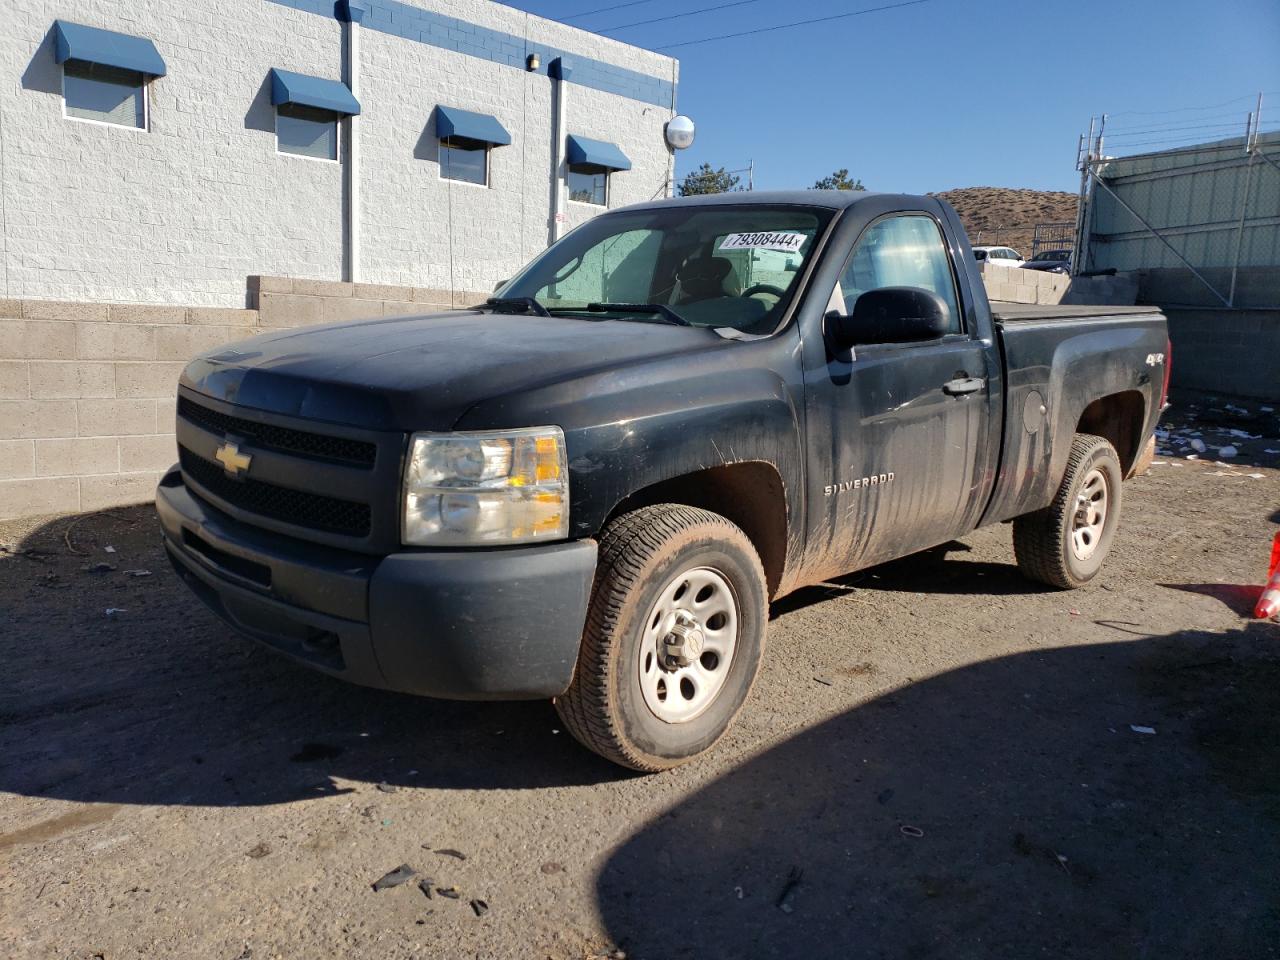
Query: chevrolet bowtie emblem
[[232, 460]]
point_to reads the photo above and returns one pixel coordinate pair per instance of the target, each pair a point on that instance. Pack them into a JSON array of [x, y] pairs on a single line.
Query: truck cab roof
[[831, 199]]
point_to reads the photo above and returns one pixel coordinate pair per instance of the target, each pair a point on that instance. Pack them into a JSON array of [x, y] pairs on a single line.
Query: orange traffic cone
[[1269, 602]]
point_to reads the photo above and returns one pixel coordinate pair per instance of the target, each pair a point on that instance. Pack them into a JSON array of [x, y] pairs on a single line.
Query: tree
[[839, 181], [706, 180]]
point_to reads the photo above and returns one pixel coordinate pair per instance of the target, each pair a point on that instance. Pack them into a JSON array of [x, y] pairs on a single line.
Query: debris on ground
[[480, 907], [825, 681], [451, 892], [259, 851], [386, 787], [396, 877], [98, 568], [1136, 728], [1201, 423], [113, 611], [425, 886], [109, 549], [137, 573], [907, 830], [456, 854], [551, 867]]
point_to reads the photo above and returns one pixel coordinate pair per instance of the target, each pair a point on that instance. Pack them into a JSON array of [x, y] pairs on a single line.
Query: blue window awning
[[75, 41], [288, 87], [598, 153], [452, 122]]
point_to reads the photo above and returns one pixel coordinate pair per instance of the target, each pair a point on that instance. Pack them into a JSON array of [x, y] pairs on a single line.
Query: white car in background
[[998, 256]]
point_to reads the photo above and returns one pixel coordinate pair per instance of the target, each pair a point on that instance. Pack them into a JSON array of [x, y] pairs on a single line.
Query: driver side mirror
[[891, 315]]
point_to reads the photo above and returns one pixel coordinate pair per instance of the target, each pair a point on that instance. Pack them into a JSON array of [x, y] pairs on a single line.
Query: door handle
[[963, 385]]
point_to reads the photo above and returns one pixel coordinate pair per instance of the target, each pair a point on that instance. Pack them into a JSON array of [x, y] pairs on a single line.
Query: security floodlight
[[680, 132]]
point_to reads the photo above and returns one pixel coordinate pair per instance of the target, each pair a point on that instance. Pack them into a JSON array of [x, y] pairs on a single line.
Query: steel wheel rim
[[694, 619], [1090, 515]]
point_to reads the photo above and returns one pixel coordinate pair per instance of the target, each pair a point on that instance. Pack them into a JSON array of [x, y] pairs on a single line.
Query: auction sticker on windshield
[[787, 242]]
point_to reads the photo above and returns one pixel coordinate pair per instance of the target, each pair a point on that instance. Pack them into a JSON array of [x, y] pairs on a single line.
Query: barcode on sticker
[[787, 242]]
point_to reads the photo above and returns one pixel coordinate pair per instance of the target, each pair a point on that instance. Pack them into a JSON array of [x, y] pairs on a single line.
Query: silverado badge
[[232, 460]]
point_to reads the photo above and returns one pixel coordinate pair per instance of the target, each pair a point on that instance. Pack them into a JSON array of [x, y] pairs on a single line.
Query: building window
[[307, 131], [95, 91], [465, 159], [589, 183]]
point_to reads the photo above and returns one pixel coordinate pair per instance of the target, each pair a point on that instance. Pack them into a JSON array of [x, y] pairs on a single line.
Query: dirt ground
[[940, 760]]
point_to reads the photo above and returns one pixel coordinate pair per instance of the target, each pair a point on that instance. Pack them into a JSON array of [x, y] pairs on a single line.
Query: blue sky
[[952, 93]]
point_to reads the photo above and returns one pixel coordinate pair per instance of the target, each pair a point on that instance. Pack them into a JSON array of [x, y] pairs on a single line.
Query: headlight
[[500, 486]]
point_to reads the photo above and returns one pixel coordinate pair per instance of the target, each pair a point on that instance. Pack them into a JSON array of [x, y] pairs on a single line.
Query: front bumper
[[502, 624]]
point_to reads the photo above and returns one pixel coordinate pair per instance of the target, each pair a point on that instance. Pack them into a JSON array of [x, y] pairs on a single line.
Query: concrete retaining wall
[[291, 302], [87, 389], [1233, 352]]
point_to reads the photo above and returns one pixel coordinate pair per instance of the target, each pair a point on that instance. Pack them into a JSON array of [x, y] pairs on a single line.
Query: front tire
[[674, 636], [1065, 544]]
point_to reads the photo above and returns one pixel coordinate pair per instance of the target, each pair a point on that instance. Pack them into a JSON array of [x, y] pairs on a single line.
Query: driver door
[[907, 421]]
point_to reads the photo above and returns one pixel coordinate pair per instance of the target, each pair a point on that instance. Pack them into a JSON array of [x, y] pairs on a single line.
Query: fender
[[630, 428], [1101, 359]]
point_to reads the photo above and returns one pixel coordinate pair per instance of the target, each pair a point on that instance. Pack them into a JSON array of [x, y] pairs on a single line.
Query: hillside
[[1000, 215]]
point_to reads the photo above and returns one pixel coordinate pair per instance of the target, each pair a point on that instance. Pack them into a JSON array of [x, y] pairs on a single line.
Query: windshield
[[713, 266]]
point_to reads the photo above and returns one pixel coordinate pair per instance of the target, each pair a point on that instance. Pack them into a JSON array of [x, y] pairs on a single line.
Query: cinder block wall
[[1016, 285], [1236, 352], [182, 212], [87, 398], [87, 390]]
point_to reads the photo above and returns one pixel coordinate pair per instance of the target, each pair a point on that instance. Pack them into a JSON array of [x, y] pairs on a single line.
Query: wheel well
[[1119, 419], [749, 494]]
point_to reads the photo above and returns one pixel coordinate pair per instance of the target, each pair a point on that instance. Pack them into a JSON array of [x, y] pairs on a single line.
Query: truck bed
[[1003, 311]]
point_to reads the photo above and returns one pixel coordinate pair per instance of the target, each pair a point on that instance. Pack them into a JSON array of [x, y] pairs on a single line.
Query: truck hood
[[425, 372]]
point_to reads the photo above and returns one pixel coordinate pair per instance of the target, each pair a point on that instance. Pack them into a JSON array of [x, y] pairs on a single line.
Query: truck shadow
[[1005, 809], [120, 687], [932, 572]]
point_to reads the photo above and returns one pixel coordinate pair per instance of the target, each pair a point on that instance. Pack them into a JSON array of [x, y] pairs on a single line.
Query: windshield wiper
[[658, 309], [527, 303]]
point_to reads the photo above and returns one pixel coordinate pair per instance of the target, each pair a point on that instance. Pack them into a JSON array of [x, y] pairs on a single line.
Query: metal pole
[[353, 152], [1244, 211], [751, 175], [559, 167], [1156, 233], [1082, 162]]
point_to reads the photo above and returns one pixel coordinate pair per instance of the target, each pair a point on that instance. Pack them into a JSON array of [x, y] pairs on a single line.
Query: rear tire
[[1065, 544], [674, 635]]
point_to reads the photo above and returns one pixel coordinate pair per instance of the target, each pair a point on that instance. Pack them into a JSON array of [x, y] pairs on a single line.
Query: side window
[[589, 183], [462, 158], [92, 91], [904, 251], [306, 131]]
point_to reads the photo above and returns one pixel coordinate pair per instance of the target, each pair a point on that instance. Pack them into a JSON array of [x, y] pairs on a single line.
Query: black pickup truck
[[590, 487]]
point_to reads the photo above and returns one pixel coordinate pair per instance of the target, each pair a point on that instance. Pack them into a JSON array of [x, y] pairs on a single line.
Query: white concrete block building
[[178, 175], [163, 152]]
